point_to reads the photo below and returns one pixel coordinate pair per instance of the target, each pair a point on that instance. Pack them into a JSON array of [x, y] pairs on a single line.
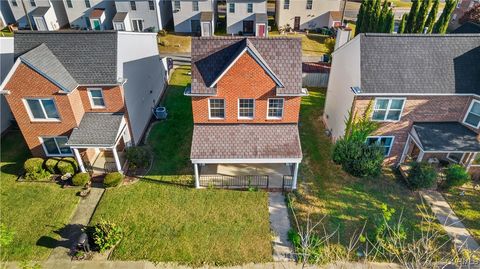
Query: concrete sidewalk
[[280, 225], [450, 222]]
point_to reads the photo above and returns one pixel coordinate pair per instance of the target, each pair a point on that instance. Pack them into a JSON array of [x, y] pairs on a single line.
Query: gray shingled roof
[[442, 64], [261, 17], [446, 136], [206, 16], [245, 141], [89, 56], [120, 16], [43, 60], [39, 11], [211, 55], [96, 129]]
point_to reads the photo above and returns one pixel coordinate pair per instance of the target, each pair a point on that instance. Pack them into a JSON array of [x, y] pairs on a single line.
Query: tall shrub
[[441, 25], [401, 26], [422, 16], [412, 15], [456, 175], [432, 16], [422, 175]]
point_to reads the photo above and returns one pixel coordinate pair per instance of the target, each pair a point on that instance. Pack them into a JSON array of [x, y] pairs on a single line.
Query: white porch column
[[405, 150], [420, 156], [295, 176], [117, 160], [197, 176], [79, 160]]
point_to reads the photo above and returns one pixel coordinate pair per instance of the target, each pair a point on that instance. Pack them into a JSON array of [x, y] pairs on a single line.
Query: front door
[[195, 26], [261, 30], [296, 24], [41, 25], [206, 29], [248, 27], [96, 25]]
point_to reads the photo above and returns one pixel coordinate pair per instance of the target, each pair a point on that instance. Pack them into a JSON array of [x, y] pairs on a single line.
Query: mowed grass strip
[[34, 211], [166, 222]]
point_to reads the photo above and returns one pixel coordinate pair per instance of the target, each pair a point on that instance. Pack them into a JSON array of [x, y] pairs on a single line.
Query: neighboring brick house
[[305, 14], [425, 96], [247, 17], [194, 16], [462, 7], [246, 100], [84, 94]]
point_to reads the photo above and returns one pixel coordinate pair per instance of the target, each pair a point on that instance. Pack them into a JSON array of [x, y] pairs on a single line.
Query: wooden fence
[[315, 79]]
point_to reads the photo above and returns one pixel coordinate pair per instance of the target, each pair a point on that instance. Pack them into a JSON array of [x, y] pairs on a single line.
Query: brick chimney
[[343, 36]]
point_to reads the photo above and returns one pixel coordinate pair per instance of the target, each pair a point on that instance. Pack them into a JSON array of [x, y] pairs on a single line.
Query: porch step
[[97, 178]]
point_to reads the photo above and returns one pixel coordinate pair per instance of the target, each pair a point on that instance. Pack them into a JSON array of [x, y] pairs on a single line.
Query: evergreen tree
[[382, 20], [390, 22], [422, 16], [401, 27], [441, 25], [367, 17], [410, 25], [432, 16], [377, 8], [360, 15]]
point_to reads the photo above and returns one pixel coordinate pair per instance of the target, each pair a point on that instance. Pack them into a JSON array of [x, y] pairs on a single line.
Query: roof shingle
[[99, 129], [446, 136]]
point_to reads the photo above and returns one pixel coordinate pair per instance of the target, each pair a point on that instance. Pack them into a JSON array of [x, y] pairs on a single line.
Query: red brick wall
[[112, 96], [246, 79], [417, 109]]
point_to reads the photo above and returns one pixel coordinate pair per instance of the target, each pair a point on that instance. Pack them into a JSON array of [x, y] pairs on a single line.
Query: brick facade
[[110, 96], [417, 109], [246, 79], [71, 107]]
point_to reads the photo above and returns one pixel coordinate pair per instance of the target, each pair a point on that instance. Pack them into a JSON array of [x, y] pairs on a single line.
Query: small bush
[[112, 179], [51, 165], [456, 176], [80, 179], [358, 158], [33, 165], [137, 157], [422, 175], [6, 235], [67, 165], [162, 32], [41, 175], [106, 235]]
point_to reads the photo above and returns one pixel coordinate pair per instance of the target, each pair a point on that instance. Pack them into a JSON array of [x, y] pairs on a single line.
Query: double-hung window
[[275, 108], [55, 146], [151, 5], [231, 7], [176, 5], [14, 3], [69, 3], [195, 5], [96, 98], [87, 4], [216, 109], [246, 108], [385, 142], [133, 5], [309, 4], [388, 109], [473, 115], [32, 3], [249, 7], [286, 4], [42, 109]]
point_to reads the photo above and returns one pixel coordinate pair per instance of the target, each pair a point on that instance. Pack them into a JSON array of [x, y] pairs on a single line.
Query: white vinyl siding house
[[44, 15], [149, 16], [79, 15], [247, 17], [306, 14], [187, 16]]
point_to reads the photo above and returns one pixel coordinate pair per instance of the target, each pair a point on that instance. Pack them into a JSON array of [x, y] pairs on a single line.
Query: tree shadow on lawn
[[69, 237]]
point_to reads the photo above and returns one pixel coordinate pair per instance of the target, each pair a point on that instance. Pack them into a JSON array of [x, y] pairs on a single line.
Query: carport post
[[197, 178], [79, 160], [295, 176]]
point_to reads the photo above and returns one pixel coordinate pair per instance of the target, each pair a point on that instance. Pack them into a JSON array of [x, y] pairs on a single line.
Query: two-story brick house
[[246, 99], [248, 17], [84, 94], [425, 96]]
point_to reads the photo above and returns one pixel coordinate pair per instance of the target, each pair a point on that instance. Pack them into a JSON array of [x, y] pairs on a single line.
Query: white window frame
[[455, 161], [378, 137], [248, 5], [69, 3], [231, 5], [387, 110], [41, 138], [14, 3], [224, 109], [195, 4], [175, 4], [135, 22], [30, 114], [133, 5], [151, 5], [268, 108], [90, 98], [309, 6], [33, 3], [468, 112], [238, 110], [88, 4], [286, 4]]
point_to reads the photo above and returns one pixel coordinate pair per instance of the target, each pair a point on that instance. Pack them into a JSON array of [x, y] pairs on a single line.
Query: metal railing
[[287, 183], [241, 182]]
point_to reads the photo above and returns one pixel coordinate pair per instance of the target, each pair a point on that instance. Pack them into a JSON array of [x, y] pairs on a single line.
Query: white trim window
[[216, 109], [309, 4], [133, 5], [383, 141], [151, 5], [32, 3], [95, 95], [286, 4], [42, 109], [388, 109], [473, 115], [275, 108], [55, 146], [14, 3], [194, 5], [455, 157], [249, 7], [88, 4], [176, 6], [137, 25], [246, 108], [231, 7], [69, 3]]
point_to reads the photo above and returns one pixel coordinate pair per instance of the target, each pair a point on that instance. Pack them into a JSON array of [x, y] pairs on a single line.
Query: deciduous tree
[[472, 15]]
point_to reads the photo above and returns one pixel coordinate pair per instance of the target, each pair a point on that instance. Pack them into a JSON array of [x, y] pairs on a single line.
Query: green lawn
[[174, 43], [346, 201], [467, 207], [312, 44], [165, 221], [33, 210]]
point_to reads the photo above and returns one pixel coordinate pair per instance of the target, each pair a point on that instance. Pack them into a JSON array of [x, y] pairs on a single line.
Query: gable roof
[[280, 57], [420, 64], [42, 60], [97, 128], [39, 11], [90, 57], [468, 28]]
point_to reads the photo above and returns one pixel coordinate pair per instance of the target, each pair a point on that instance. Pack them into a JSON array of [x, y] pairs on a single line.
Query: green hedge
[[33, 165], [67, 165], [51, 165], [358, 158], [112, 179], [80, 179], [456, 176], [41, 175], [422, 175]]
